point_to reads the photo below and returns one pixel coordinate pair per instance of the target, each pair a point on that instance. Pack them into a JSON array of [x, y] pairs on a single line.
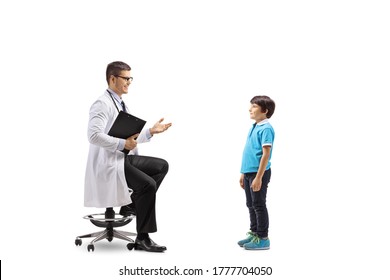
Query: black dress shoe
[[127, 210], [148, 245]]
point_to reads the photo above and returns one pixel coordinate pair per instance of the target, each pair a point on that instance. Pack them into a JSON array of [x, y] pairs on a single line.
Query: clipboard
[[126, 125]]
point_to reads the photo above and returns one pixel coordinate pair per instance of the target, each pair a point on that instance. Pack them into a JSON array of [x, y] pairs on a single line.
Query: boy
[[256, 172]]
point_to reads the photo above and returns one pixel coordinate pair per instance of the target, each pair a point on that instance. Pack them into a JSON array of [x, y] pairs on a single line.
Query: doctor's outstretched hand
[[160, 127]]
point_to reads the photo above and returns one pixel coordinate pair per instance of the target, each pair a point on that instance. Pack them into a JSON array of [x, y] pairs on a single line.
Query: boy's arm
[[256, 184]]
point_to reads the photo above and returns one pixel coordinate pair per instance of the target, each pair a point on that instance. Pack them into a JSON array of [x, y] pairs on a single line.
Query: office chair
[[109, 220]]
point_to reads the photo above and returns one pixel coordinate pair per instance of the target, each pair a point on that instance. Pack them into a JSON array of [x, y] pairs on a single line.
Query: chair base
[[101, 220], [109, 235]]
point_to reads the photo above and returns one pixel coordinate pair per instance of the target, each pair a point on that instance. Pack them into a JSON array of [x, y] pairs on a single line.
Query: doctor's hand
[[131, 143], [159, 127]]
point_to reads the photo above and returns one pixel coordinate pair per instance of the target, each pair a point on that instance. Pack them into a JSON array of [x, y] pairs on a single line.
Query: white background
[[198, 63]]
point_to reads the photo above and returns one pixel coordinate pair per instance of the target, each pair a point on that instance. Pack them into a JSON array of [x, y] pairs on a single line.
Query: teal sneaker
[[250, 235], [257, 243]]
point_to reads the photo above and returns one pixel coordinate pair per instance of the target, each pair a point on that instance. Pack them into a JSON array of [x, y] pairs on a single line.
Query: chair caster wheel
[[130, 246], [78, 242], [91, 247]]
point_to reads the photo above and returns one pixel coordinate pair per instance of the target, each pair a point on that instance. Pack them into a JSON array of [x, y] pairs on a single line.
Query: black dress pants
[[144, 176]]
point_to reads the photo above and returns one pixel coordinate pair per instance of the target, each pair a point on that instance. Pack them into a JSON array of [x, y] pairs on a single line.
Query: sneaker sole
[[264, 248]]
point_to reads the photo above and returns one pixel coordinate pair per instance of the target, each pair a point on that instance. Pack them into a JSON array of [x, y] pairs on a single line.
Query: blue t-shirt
[[261, 134]]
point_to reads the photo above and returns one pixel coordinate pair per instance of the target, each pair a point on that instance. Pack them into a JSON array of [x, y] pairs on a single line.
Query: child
[[256, 172]]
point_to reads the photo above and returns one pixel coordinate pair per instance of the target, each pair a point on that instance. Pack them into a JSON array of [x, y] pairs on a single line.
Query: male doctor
[[114, 169]]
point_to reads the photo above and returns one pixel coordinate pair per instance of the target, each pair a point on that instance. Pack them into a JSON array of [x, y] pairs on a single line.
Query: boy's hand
[[242, 181], [256, 184]]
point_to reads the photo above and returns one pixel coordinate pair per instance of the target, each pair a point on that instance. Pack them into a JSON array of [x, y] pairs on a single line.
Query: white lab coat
[[105, 182]]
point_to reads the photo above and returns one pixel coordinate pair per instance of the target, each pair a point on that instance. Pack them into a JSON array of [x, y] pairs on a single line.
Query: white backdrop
[[198, 63]]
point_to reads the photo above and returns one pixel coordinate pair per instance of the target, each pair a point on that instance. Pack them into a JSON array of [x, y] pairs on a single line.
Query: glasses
[[125, 78]]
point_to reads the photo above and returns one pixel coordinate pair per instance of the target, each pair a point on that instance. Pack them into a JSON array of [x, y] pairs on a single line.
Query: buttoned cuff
[[148, 134], [121, 144]]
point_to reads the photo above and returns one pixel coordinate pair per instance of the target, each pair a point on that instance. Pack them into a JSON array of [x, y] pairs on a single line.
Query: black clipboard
[[126, 125]]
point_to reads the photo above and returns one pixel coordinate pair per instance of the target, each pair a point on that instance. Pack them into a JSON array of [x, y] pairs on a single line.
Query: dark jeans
[[256, 202], [144, 176]]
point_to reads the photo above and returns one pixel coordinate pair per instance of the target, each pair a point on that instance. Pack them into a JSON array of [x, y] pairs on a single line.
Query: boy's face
[[256, 113]]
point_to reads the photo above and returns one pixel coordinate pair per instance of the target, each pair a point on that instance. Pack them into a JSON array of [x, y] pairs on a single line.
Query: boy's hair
[[115, 68], [265, 103]]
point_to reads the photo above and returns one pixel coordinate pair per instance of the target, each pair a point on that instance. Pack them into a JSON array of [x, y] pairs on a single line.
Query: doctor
[[114, 169]]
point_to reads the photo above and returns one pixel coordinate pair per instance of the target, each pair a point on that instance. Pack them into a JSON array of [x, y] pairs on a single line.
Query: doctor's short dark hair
[[115, 68], [265, 103]]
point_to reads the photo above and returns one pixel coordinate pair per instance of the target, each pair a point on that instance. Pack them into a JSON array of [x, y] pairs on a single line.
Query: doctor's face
[[120, 83]]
